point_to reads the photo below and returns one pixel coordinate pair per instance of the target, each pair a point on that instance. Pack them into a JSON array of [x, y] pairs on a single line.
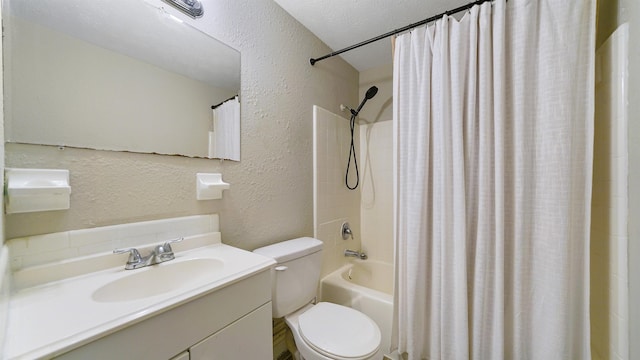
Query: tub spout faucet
[[357, 254]]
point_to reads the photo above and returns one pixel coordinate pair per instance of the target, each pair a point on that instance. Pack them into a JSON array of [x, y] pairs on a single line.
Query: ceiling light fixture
[[192, 8]]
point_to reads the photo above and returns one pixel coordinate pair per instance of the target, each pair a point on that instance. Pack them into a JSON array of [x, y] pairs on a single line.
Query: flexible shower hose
[[352, 153]]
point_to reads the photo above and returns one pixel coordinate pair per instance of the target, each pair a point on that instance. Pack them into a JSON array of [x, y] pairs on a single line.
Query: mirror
[[118, 75]]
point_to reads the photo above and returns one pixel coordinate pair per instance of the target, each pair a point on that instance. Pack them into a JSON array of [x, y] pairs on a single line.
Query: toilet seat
[[339, 332]]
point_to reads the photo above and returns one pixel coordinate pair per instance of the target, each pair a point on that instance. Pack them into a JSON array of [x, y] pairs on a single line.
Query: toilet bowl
[[324, 331], [327, 331]]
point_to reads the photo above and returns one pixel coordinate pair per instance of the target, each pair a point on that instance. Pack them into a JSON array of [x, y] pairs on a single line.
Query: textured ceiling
[[341, 23]]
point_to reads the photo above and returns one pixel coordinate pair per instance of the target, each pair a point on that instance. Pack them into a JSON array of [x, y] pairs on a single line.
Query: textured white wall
[[271, 195]]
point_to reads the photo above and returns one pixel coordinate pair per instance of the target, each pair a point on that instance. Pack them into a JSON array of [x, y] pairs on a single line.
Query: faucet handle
[[167, 244], [164, 252], [346, 231], [134, 255]]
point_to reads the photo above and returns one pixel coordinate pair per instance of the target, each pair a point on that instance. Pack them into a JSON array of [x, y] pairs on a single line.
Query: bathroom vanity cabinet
[[233, 322]]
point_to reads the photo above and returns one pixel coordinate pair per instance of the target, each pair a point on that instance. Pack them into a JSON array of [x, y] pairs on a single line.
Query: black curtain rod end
[[312, 61], [213, 107]]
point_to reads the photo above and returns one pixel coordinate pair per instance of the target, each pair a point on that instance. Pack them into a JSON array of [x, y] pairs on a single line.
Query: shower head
[[371, 92], [367, 96]]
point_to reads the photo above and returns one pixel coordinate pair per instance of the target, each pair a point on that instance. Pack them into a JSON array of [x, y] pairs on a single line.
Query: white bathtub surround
[[376, 191], [333, 202], [609, 235], [367, 286], [494, 183]]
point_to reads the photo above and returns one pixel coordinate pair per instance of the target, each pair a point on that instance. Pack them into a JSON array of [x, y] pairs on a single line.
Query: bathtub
[[367, 286]]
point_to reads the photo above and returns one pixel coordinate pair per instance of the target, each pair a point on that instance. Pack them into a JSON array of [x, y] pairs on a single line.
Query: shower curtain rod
[[397, 31], [213, 107]]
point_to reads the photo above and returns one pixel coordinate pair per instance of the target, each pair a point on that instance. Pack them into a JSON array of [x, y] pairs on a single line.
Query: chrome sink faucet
[[160, 253]]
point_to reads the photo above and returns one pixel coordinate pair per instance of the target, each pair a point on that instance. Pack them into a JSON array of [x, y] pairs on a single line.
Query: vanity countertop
[[48, 319]]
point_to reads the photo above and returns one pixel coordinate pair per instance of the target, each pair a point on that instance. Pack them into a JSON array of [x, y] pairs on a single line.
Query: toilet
[[324, 331]]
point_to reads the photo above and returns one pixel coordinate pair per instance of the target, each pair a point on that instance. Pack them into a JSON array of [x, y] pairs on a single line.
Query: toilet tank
[[295, 276]]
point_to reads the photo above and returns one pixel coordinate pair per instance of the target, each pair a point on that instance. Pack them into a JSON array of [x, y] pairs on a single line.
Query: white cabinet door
[[247, 338]]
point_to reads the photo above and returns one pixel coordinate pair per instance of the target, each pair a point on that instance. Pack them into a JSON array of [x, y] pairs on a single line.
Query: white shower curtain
[[493, 119], [224, 140]]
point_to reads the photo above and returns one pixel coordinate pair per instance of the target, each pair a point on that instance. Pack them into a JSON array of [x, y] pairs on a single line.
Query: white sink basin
[[157, 279], [93, 304]]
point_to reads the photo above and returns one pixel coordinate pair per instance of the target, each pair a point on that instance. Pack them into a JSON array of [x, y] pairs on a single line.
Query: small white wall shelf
[[210, 186], [30, 190]]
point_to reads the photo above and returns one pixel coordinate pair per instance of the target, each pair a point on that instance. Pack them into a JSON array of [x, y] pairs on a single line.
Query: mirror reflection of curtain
[[224, 140]]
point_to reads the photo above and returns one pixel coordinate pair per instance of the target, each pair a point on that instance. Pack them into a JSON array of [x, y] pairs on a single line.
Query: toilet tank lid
[[290, 249]]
